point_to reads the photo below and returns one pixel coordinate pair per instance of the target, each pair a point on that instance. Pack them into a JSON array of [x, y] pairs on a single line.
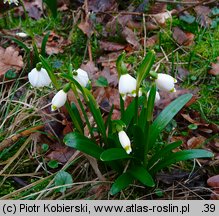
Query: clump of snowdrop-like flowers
[[38, 77], [81, 77], [125, 141], [127, 86], [16, 2], [165, 82]]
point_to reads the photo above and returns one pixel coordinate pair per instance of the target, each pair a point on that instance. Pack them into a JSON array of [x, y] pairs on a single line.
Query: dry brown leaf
[[86, 27], [202, 14], [151, 41], [195, 142], [131, 38], [54, 45], [90, 68], [33, 8], [62, 154], [214, 68], [183, 38], [10, 59], [111, 46], [102, 5], [189, 119]]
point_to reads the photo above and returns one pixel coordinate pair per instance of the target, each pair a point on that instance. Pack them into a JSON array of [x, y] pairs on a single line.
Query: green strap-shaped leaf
[[166, 116], [163, 152], [181, 156], [83, 144], [121, 183], [140, 173], [77, 115], [43, 45], [96, 113], [145, 67], [138, 145], [52, 4], [114, 154]]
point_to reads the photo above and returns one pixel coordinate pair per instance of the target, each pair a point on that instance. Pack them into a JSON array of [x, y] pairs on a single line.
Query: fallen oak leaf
[[10, 59]]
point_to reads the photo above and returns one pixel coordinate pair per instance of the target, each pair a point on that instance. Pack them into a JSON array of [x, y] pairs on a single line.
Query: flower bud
[[125, 141], [165, 82], [127, 86], [81, 76], [39, 78], [58, 100]]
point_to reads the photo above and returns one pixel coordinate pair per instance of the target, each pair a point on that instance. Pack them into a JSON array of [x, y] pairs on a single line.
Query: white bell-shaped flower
[[157, 96], [12, 1], [39, 78], [165, 82], [125, 141], [81, 76], [127, 86], [58, 100]]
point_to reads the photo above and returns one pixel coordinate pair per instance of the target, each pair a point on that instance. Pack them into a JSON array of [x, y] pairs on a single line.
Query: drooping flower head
[[127, 86], [16, 2], [38, 77], [165, 82], [81, 76], [125, 141], [60, 98]]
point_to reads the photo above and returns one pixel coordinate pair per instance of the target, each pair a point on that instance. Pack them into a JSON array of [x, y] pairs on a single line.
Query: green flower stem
[[73, 118], [82, 109], [136, 109], [122, 108], [149, 120]]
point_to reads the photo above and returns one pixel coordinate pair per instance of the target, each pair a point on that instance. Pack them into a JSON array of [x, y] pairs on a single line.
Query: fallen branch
[[9, 141]]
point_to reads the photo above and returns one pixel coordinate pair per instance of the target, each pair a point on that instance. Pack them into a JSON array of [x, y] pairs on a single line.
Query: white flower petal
[[127, 85], [58, 100], [165, 82], [39, 78], [82, 77], [125, 141]]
